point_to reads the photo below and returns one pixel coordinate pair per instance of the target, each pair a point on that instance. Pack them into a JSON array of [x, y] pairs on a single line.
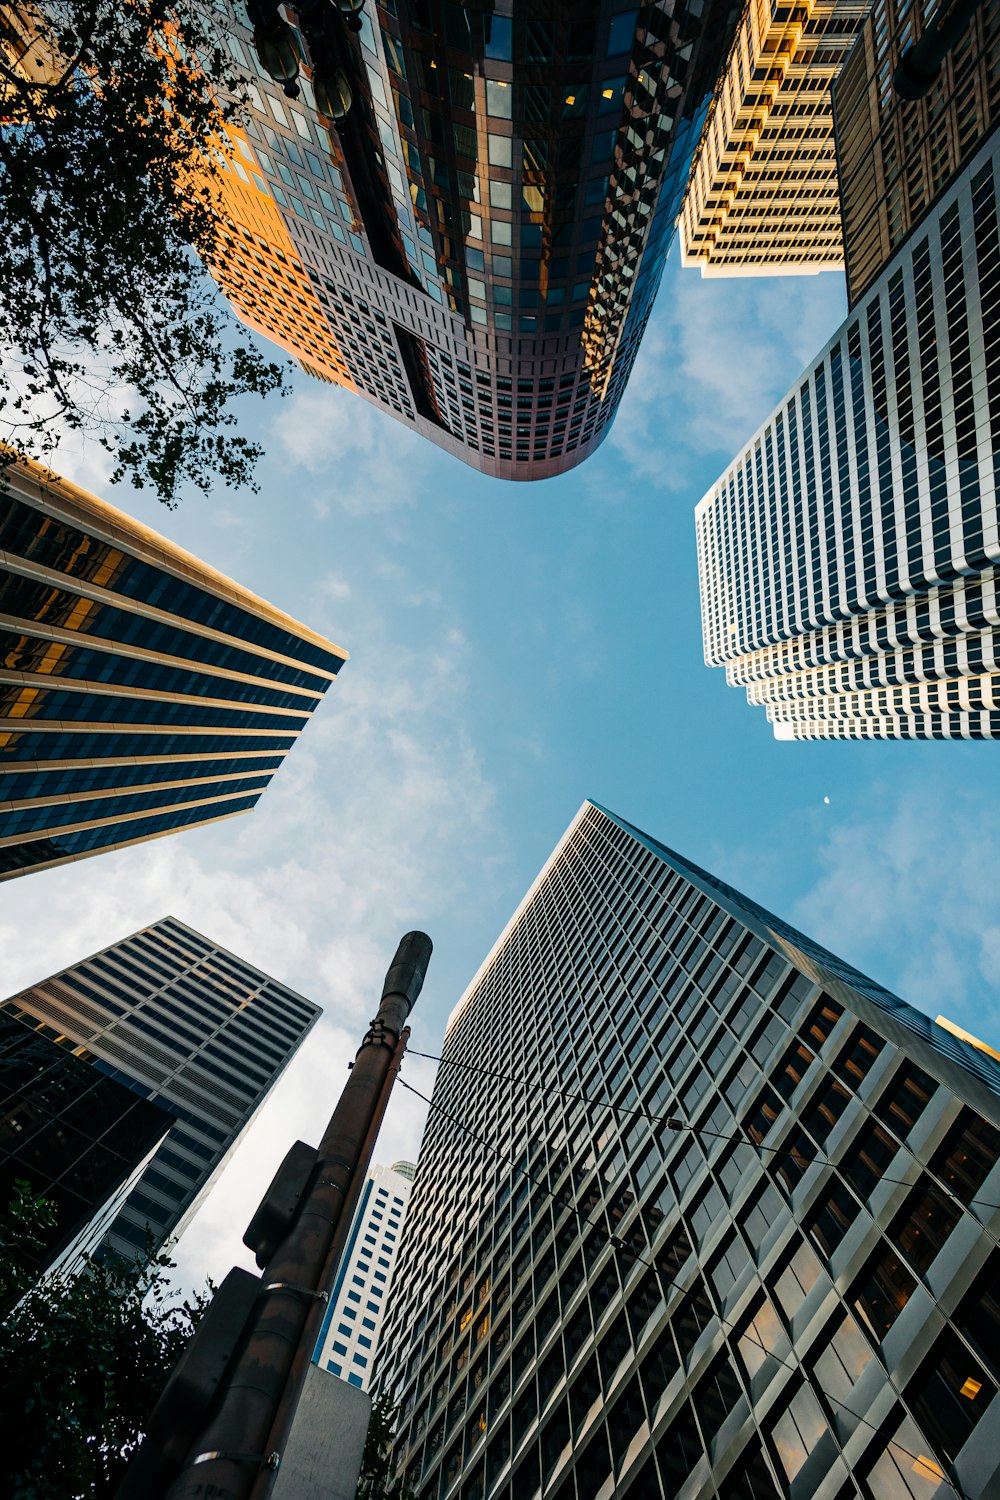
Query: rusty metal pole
[[232, 1453]]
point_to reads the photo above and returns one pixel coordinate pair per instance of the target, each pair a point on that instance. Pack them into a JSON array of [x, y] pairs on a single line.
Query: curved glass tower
[[478, 249]]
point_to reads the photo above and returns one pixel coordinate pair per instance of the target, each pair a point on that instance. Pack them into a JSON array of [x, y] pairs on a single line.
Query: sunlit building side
[[700, 1212], [763, 196]]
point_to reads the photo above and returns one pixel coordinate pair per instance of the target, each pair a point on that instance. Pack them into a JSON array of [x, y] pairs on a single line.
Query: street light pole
[[234, 1453]]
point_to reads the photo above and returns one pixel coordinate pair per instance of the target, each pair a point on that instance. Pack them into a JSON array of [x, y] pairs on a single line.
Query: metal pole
[[278, 1437], [232, 1451]]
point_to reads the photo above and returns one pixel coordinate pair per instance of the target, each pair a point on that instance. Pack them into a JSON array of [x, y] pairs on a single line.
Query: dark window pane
[[855, 1060], [950, 1394], [968, 1156], [679, 1451], [821, 1022], [904, 1099], [715, 1396], [834, 1217], [824, 1110], [978, 1316], [870, 1158], [624, 1421], [882, 1292], [924, 1224]]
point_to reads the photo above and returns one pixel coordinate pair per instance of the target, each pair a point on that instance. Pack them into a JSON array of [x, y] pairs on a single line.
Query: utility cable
[[668, 1283], [671, 1123]]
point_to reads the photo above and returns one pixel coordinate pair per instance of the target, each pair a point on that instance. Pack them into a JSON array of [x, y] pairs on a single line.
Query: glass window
[[498, 98], [797, 1280], [797, 1431], [904, 1100], [498, 39], [499, 150], [870, 1159], [841, 1364], [622, 32], [950, 1394], [924, 1224], [882, 1292], [762, 1334], [906, 1470], [969, 1155]]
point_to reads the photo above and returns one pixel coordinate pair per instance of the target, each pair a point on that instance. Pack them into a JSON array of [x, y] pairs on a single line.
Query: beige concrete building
[[762, 197]]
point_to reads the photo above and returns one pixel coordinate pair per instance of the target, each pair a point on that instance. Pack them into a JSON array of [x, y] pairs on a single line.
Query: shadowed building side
[[180, 1021]]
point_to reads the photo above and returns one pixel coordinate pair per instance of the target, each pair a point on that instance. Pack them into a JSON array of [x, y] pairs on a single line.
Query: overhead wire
[[671, 1284], [670, 1122]]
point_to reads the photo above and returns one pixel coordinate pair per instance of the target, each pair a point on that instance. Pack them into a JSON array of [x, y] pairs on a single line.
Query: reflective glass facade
[[477, 252], [848, 556], [700, 1212], [76, 1136], [763, 195], [180, 1021], [349, 1338], [140, 691], [895, 156]]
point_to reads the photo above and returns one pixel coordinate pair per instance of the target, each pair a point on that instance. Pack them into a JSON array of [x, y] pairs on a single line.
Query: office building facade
[[895, 155], [349, 1337], [77, 1137], [141, 692], [763, 195], [188, 1025], [848, 556], [700, 1212], [477, 252]]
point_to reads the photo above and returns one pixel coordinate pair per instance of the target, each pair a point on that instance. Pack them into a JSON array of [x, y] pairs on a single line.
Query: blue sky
[[515, 649]]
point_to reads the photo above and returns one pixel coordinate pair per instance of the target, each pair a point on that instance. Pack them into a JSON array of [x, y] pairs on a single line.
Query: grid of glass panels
[[113, 654], [646, 1310], [838, 552], [187, 1024]]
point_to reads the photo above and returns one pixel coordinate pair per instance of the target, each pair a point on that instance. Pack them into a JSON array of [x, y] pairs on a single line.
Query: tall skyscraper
[[848, 556], [185, 1023], [896, 155], [349, 1337], [700, 1212], [140, 691], [78, 1138], [477, 252], [763, 195]]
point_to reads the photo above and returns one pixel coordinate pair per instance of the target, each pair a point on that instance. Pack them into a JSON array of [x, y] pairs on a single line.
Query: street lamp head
[[351, 12], [278, 53], [333, 94]]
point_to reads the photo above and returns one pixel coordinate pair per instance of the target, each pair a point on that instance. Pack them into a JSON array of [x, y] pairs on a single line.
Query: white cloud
[[907, 893], [376, 823], [715, 359], [365, 461]]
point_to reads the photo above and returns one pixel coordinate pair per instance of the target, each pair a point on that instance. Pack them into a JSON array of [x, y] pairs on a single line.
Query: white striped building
[[847, 557]]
